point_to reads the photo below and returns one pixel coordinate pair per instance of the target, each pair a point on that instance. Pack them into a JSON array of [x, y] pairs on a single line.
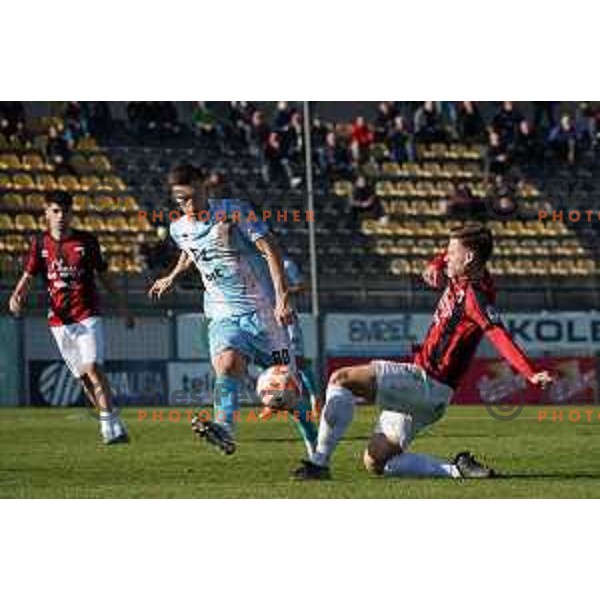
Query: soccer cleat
[[122, 438], [470, 468], [214, 434], [309, 471]]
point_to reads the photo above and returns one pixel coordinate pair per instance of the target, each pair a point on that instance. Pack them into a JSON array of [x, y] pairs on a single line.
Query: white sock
[[337, 416], [106, 424], [409, 464]]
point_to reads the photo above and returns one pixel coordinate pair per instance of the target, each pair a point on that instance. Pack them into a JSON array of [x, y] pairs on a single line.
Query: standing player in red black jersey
[[69, 260], [415, 395]]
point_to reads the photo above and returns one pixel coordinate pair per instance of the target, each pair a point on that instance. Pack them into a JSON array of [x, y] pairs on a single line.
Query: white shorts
[[409, 398], [80, 344]]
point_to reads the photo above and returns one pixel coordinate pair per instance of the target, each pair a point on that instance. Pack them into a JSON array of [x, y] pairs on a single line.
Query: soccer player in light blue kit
[[246, 296]]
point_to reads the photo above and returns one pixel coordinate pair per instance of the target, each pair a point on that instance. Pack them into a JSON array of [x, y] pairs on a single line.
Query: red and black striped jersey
[[68, 267], [464, 314]]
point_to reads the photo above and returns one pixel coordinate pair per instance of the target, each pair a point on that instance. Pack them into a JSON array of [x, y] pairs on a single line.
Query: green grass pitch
[[56, 453]]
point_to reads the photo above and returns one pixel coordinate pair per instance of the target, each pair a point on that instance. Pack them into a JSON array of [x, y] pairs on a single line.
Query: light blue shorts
[[256, 335]]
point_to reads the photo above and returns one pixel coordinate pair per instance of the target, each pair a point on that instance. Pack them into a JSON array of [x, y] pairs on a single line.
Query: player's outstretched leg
[[336, 417], [230, 367], [387, 454], [410, 464], [471, 468]]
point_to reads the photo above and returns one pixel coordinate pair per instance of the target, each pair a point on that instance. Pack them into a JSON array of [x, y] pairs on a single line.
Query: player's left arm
[[486, 317], [267, 246]]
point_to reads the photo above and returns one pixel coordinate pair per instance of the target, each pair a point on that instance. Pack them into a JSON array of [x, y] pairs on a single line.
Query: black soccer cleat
[[123, 438], [470, 468], [309, 471], [214, 434]]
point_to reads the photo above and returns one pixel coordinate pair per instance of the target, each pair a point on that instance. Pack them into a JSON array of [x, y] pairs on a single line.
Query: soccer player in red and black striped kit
[[69, 261], [415, 395]]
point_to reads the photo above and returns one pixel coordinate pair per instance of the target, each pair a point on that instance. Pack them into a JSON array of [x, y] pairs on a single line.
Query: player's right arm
[[33, 266], [434, 272], [165, 284], [20, 293]]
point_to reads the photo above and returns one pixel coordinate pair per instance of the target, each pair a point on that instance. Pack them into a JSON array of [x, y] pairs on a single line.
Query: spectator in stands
[[563, 140], [506, 122], [400, 142], [167, 119], [292, 137], [502, 196], [282, 116], [237, 127], [448, 112], [470, 125], [462, 204], [428, 124], [258, 135], [497, 154], [277, 168], [364, 203], [76, 120], [526, 146], [11, 114], [319, 133], [21, 138], [544, 111], [361, 139], [101, 123], [206, 126], [334, 159], [384, 121], [57, 149], [588, 114]]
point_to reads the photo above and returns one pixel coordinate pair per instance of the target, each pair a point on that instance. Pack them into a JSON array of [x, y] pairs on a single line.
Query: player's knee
[[90, 373], [356, 379], [378, 452], [230, 364], [371, 465], [341, 377]]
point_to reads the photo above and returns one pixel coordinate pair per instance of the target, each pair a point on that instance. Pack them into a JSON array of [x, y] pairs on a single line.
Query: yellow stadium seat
[[22, 181], [12, 200], [25, 222], [6, 223], [68, 183], [34, 162], [46, 183], [35, 202], [10, 162]]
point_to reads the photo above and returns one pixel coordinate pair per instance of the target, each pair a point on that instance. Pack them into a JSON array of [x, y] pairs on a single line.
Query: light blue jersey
[[236, 277]]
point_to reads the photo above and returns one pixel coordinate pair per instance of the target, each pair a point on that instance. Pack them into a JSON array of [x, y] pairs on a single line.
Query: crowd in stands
[[273, 137], [78, 120]]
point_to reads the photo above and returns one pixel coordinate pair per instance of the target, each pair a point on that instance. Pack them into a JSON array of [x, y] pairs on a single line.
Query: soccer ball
[[278, 388]]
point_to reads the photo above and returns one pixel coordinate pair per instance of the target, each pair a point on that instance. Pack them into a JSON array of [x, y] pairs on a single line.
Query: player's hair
[[63, 199], [185, 174], [477, 238]]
